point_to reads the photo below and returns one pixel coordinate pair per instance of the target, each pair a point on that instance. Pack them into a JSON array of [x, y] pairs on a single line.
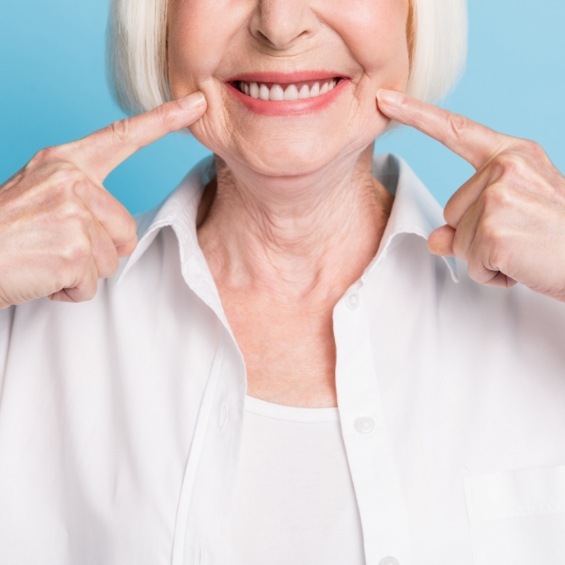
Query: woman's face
[[239, 52]]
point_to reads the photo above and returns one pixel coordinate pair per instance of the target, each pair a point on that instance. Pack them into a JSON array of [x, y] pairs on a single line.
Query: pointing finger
[[101, 152], [472, 141]]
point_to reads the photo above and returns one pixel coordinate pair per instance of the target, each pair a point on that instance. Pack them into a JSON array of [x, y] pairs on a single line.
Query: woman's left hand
[[508, 220]]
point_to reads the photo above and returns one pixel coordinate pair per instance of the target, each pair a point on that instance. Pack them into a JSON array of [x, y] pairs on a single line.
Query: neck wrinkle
[[303, 240]]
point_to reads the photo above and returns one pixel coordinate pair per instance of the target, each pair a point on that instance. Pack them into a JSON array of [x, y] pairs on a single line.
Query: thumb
[[440, 241]]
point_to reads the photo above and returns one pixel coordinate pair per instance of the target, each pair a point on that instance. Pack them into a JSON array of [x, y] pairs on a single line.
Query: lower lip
[[288, 107]]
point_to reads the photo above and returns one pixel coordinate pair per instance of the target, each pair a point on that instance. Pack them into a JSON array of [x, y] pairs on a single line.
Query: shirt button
[[366, 426], [389, 561], [353, 301]]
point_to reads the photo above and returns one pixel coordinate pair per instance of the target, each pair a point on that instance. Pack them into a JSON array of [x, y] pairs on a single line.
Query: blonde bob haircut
[[137, 50]]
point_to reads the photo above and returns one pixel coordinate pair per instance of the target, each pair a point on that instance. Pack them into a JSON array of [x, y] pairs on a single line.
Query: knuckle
[[55, 178], [510, 165], [66, 177], [76, 252], [455, 125], [168, 117], [492, 240], [85, 290], [44, 155], [476, 271], [489, 232], [499, 258], [495, 198], [532, 148], [122, 131], [164, 115], [53, 154], [73, 214]]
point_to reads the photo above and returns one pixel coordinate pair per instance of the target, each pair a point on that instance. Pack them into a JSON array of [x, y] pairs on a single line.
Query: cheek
[[202, 40], [199, 35], [376, 34], [189, 57], [377, 39]]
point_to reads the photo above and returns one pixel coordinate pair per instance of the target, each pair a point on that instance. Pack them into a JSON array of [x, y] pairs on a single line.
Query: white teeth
[[304, 91], [291, 92], [278, 92], [264, 92]]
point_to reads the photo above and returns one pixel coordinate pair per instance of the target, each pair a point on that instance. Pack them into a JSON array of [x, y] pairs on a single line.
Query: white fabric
[[121, 418], [294, 501]]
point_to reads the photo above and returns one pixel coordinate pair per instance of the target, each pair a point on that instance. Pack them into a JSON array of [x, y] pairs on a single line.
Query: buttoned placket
[[377, 486], [202, 514], [202, 506]]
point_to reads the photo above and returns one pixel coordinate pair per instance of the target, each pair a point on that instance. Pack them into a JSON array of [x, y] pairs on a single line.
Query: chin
[[306, 158], [287, 149], [287, 160]]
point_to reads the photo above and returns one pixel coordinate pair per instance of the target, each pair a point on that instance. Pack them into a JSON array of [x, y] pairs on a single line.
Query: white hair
[[137, 50], [137, 53], [439, 47]]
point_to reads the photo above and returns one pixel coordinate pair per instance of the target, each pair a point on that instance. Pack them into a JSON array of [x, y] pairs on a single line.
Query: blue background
[[53, 90]]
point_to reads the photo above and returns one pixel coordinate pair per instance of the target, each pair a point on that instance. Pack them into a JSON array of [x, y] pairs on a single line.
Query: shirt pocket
[[517, 517]]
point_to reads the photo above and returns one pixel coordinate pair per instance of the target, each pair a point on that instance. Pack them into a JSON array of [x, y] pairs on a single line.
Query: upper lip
[[286, 78]]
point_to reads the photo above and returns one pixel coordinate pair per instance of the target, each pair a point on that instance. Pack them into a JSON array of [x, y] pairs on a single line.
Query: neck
[[295, 237]]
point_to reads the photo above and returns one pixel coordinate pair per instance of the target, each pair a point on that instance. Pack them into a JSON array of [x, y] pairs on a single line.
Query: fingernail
[[391, 97], [192, 101]]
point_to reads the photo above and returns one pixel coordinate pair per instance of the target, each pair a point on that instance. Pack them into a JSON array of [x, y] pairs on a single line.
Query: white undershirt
[[294, 500]]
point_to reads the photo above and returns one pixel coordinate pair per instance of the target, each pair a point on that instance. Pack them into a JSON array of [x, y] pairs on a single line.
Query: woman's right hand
[[60, 230]]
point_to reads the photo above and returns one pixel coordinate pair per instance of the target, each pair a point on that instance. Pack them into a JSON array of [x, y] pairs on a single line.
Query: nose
[[280, 23]]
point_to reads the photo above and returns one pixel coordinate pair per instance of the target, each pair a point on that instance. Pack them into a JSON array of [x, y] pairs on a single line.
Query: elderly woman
[[282, 372]]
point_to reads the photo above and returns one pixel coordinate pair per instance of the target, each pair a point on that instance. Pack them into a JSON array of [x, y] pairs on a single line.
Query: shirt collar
[[179, 212], [415, 211]]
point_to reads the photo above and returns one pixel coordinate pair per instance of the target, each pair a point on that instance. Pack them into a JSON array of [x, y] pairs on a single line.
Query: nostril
[[277, 27]]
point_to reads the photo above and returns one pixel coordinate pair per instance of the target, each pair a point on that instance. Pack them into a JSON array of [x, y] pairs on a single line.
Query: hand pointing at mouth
[[60, 230], [508, 220]]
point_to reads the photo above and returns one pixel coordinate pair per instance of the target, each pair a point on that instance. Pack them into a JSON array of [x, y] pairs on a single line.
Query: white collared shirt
[[121, 418]]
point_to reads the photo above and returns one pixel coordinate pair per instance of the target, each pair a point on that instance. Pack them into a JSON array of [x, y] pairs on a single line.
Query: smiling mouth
[[275, 92]]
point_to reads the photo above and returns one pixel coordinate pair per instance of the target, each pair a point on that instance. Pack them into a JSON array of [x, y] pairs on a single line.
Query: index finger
[[101, 152], [475, 142]]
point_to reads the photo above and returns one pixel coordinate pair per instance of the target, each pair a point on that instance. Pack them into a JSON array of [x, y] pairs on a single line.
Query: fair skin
[[507, 220], [287, 214], [60, 231], [295, 215]]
